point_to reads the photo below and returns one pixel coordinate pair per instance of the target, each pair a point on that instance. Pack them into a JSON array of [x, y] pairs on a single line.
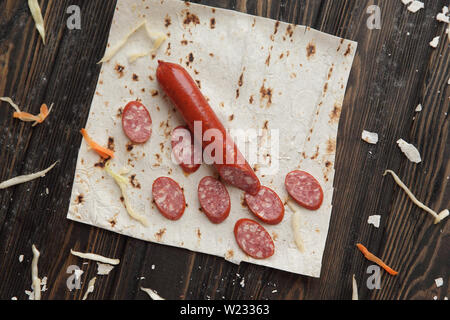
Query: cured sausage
[[304, 189], [187, 98], [136, 122], [169, 198], [266, 205], [183, 149], [214, 199], [253, 239]]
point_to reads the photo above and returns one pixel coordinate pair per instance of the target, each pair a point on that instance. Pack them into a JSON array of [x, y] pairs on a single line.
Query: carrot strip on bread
[[371, 257], [102, 151]]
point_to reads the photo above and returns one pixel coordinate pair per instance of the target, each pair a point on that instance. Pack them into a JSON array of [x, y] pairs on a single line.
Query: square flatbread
[[285, 82]]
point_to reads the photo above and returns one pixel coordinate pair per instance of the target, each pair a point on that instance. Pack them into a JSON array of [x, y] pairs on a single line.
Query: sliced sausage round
[[184, 151], [304, 189], [253, 239], [266, 205], [169, 198], [136, 122], [214, 199]]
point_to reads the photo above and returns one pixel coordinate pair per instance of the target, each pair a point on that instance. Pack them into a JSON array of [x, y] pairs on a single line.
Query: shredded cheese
[[410, 151], [90, 288], [435, 42], [122, 182], [369, 137], [25, 178], [95, 257], [437, 217], [9, 100], [36, 282], [296, 227], [152, 294], [416, 6], [355, 289], [104, 269], [374, 220], [37, 16], [157, 37]]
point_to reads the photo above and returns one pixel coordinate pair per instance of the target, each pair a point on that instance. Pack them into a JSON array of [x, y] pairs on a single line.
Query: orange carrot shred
[[102, 151], [25, 116], [371, 257]]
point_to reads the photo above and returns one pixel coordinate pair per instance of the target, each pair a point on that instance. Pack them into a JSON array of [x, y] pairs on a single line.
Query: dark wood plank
[[392, 73]]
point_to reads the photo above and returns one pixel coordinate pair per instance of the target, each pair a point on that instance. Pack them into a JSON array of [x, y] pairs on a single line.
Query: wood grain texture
[[393, 72]]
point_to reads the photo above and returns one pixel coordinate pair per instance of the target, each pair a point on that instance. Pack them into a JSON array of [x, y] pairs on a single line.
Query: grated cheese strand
[[35, 280], [121, 181], [437, 217], [157, 37], [355, 289], [25, 178], [296, 227], [9, 100], [95, 257], [90, 288], [152, 294], [37, 16]]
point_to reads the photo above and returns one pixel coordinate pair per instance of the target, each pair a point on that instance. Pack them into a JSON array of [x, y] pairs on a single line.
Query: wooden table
[[395, 69]]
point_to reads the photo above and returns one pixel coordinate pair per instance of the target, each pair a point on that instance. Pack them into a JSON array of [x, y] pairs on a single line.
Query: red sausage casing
[[190, 102]]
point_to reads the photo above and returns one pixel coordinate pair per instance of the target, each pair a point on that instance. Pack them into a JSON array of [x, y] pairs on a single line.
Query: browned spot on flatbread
[[151, 78], [190, 18], [241, 79], [111, 143], [250, 100], [281, 56], [266, 125], [167, 21], [266, 94], [112, 222], [129, 146], [154, 92], [268, 60], [277, 24], [199, 234], [310, 50], [289, 30], [119, 113], [134, 182], [340, 44], [212, 23], [190, 59], [168, 49], [331, 145], [101, 163], [231, 118], [237, 93], [325, 88], [229, 254], [349, 50], [254, 23], [274, 236], [79, 199], [135, 77], [335, 113], [330, 72], [199, 84], [160, 234], [119, 69], [316, 154], [184, 42], [211, 54]]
